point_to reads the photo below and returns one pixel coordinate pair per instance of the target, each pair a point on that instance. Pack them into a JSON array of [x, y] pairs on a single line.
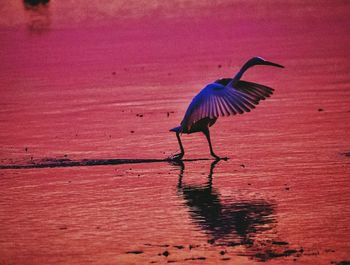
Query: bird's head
[[261, 61]]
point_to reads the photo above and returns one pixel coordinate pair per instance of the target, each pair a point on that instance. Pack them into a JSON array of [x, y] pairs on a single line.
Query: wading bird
[[224, 97]]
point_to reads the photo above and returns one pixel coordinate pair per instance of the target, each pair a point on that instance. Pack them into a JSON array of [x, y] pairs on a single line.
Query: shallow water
[[101, 85]]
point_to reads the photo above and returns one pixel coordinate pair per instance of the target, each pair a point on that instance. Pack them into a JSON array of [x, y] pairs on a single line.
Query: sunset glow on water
[[89, 92]]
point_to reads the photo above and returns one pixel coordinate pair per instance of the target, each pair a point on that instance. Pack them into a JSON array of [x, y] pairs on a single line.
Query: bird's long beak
[[272, 64]]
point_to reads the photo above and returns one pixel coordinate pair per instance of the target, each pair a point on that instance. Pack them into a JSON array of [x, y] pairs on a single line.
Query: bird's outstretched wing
[[217, 99]]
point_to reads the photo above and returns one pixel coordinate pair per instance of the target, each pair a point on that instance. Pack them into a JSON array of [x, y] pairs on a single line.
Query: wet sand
[[89, 92]]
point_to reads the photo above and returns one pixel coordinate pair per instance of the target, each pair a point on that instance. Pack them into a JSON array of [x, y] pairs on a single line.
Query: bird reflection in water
[[39, 15], [236, 223]]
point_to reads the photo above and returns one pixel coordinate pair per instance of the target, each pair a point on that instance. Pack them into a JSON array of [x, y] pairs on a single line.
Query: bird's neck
[[240, 73]]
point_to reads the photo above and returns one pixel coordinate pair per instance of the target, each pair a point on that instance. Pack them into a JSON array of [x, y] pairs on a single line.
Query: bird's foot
[[175, 157], [219, 158], [215, 156]]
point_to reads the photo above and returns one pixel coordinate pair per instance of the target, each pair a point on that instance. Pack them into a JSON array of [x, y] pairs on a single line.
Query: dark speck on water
[[279, 243], [136, 252], [272, 254], [289, 252], [344, 262], [199, 258], [35, 2], [179, 247], [231, 244], [320, 109]]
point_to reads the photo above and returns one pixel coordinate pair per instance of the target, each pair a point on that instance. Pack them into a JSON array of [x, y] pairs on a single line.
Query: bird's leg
[[207, 134], [182, 151]]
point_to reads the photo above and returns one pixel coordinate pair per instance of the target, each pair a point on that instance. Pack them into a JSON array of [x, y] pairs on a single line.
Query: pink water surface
[[106, 80]]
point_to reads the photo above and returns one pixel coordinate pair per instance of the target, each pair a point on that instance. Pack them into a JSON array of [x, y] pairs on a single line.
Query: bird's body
[[224, 97]]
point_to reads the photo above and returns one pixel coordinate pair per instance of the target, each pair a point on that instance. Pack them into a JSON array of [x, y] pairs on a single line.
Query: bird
[[224, 97]]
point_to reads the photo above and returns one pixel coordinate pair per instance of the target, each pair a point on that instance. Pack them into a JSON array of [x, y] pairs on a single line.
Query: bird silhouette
[[224, 97], [233, 222]]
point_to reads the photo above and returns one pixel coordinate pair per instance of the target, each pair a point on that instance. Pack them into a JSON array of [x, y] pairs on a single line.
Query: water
[[101, 84]]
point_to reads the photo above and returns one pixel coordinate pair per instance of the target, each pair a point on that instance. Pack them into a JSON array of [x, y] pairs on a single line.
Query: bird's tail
[[177, 129]]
